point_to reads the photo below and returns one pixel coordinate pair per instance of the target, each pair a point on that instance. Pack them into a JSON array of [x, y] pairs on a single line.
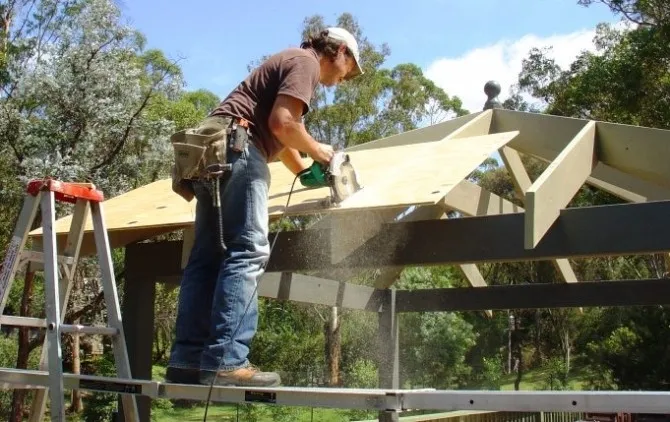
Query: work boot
[[182, 375], [249, 376]]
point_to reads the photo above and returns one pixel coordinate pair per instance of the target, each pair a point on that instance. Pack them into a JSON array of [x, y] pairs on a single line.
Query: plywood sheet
[[423, 175], [397, 176], [148, 206]]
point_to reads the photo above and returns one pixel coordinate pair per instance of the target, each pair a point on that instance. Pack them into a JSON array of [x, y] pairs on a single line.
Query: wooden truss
[[411, 181]]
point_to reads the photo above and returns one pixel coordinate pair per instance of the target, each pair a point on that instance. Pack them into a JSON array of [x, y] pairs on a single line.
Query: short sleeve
[[298, 78]]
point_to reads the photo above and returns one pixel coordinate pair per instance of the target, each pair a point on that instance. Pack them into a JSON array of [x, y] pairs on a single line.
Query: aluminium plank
[[656, 402], [541, 401]]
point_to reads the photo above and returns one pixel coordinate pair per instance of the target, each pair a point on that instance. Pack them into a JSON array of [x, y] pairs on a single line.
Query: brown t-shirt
[[294, 72]]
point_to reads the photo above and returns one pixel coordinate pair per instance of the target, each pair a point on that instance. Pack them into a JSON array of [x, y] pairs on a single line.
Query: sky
[[459, 44]]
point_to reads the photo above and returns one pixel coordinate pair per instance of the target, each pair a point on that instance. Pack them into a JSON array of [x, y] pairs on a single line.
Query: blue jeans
[[213, 321]]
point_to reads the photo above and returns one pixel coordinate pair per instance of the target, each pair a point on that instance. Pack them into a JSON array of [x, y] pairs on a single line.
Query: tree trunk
[[76, 405], [333, 348], [519, 354], [567, 350], [539, 355], [24, 345]]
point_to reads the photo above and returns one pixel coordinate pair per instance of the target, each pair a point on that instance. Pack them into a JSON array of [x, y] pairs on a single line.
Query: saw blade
[[344, 182]]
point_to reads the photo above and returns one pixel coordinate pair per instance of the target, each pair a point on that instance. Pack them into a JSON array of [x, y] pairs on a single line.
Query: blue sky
[[460, 44]]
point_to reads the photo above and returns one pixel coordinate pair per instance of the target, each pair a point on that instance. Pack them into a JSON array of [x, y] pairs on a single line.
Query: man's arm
[[292, 160], [285, 123]]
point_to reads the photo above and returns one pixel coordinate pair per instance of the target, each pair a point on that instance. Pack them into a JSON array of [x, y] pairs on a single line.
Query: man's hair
[[324, 45]]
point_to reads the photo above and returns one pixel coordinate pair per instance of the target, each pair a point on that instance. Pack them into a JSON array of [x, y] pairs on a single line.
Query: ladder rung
[[64, 328], [36, 256]]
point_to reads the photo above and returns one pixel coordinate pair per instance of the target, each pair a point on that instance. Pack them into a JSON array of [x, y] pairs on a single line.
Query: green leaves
[[626, 81], [379, 103]]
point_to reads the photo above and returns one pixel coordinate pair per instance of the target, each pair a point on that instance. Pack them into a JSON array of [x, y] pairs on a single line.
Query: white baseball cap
[[345, 36]]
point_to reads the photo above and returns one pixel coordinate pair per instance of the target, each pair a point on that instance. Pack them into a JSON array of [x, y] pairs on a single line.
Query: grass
[[165, 410], [538, 379], [262, 413]]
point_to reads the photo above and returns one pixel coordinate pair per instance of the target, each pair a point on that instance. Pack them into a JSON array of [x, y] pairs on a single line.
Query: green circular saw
[[339, 175]]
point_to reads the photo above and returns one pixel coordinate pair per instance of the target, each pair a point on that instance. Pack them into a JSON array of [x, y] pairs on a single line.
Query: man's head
[[338, 50]]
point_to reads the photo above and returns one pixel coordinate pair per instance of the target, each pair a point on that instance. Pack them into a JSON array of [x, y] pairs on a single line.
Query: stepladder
[[58, 265]]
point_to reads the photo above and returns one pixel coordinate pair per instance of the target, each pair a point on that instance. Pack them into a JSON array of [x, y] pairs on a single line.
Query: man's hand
[[323, 154], [285, 123]]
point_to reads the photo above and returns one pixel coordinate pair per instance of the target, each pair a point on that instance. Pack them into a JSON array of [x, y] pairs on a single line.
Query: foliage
[[99, 407], [433, 345], [290, 341], [625, 81], [8, 352], [379, 103]]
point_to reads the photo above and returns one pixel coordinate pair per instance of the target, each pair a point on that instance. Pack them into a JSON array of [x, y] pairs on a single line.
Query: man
[[218, 309]]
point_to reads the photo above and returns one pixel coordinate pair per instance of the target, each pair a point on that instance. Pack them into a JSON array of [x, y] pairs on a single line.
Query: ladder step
[[64, 328], [36, 256]]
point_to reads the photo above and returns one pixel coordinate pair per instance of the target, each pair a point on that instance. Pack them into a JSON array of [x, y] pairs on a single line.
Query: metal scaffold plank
[[355, 398], [541, 401], [341, 398], [30, 379]]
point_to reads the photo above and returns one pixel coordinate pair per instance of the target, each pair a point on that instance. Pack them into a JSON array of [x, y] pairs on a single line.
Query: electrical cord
[[211, 385]]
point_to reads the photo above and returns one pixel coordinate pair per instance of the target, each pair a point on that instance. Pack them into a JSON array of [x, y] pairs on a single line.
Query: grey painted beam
[[538, 295], [307, 289], [612, 230]]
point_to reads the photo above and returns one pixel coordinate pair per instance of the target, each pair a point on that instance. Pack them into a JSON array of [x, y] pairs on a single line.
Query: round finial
[[492, 90]]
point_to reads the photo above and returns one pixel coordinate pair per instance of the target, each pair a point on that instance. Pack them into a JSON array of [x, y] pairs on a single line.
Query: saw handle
[[314, 176]]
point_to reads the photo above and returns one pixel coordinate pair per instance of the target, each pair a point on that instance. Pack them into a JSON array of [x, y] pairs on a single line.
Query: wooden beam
[[430, 133], [309, 289], [544, 137], [350, 231], [639, 151], [540, 135], [522, 183], [517, 171], [625, 186], [622, 229], [650, 292], [558, 184], [314, 290], [388, 276], [471, 199]]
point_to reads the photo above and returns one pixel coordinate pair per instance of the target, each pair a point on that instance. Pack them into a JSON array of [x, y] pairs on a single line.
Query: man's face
[[334, 71]]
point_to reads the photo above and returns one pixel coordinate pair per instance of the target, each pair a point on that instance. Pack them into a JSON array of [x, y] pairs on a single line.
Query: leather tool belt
[[201, 153]]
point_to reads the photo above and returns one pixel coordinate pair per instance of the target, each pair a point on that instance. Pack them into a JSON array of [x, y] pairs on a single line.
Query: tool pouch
[[196, 150]]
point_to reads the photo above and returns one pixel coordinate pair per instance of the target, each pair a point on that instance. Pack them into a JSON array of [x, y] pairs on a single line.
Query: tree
[[76, 89], [624, 81]]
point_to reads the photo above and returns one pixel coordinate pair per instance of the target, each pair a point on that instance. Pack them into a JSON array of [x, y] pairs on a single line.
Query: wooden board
[[639, 151], [558, 184], [397, 176], [401, 176]]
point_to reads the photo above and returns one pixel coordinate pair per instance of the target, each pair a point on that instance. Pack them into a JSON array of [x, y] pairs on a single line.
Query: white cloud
[[466, 75]]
